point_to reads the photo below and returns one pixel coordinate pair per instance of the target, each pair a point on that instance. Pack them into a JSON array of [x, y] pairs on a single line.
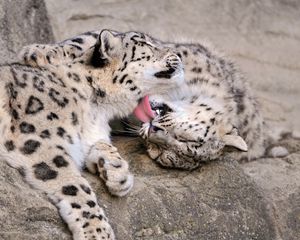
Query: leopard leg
[[42, 55], [57, 175], [112, 168]]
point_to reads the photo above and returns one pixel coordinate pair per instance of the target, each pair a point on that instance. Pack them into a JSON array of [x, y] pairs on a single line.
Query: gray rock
[[217, 201], [22, 22], [279, 180]]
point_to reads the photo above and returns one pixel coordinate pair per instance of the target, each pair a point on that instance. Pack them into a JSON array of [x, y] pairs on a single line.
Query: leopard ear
[[109, 43], [105, 48], [235, 141]]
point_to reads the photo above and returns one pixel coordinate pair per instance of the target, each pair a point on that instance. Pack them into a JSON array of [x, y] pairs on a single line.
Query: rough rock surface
[[22, 22], [262, 36], [280, 181], [215, 202], [222, 200]]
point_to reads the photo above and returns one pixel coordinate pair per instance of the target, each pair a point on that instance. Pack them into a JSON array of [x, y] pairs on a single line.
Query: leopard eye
[[158, 111], [162, 109]]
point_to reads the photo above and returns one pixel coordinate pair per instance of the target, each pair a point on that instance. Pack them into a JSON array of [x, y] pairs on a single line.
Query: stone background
[[262, 36], [223, 200]]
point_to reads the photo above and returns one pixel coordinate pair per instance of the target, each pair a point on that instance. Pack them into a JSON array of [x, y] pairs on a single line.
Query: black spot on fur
[[19, 81], [45, 134], [57, 81], [78, 40], [86, 189], [60, 147], [61, 131], [15, 114], [70, 140], [48, 59], [55, 96], [74, 118], [51, 116], [74, 76], [27, 127], [74, 90], [91, 204], [85, 214], [124, 67], [115, 79], [75, 205], [124, 57], [123, 78], [60, 161], [30, 146], [12, 93], [129, 81], [70, 190], [38, 84], [206, 131], [12, 129], [42, 171], [197, 70], [34, 105], [85, 225], [89, 79], [100, 93], [133, 52], [77, 47], [9, 145]]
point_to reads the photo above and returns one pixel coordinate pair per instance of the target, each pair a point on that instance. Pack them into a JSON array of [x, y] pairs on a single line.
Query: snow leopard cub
[[214, 114]]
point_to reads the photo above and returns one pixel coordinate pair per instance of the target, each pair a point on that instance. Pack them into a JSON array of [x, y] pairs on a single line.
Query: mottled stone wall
[[22, 22], [262, 36]]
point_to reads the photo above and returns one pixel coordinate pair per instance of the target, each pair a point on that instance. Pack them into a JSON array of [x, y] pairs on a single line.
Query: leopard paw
[[116, 175], [39, 55], [112, 168]]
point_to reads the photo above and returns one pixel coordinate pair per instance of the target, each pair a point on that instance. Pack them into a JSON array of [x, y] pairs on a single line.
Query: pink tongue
[[143, 111]]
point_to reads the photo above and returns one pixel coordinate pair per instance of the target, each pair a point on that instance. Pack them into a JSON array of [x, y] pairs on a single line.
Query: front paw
[[112, 168], [38, 55], [116, 175]]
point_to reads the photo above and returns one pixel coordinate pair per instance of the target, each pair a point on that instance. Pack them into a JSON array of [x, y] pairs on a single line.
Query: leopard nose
[[173, 61], [155, 128]]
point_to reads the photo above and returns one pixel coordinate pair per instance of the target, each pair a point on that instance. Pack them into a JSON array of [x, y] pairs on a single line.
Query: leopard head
[[141, 65], [187, 132]]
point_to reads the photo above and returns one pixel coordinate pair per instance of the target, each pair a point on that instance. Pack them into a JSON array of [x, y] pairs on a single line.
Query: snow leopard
[[54, 120], [214, 112]]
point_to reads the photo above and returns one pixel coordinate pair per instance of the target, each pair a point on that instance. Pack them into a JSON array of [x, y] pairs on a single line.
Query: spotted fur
[[54, 119], [214, 114]]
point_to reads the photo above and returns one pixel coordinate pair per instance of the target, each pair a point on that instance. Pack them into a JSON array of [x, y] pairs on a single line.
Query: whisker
[[130, 125]]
